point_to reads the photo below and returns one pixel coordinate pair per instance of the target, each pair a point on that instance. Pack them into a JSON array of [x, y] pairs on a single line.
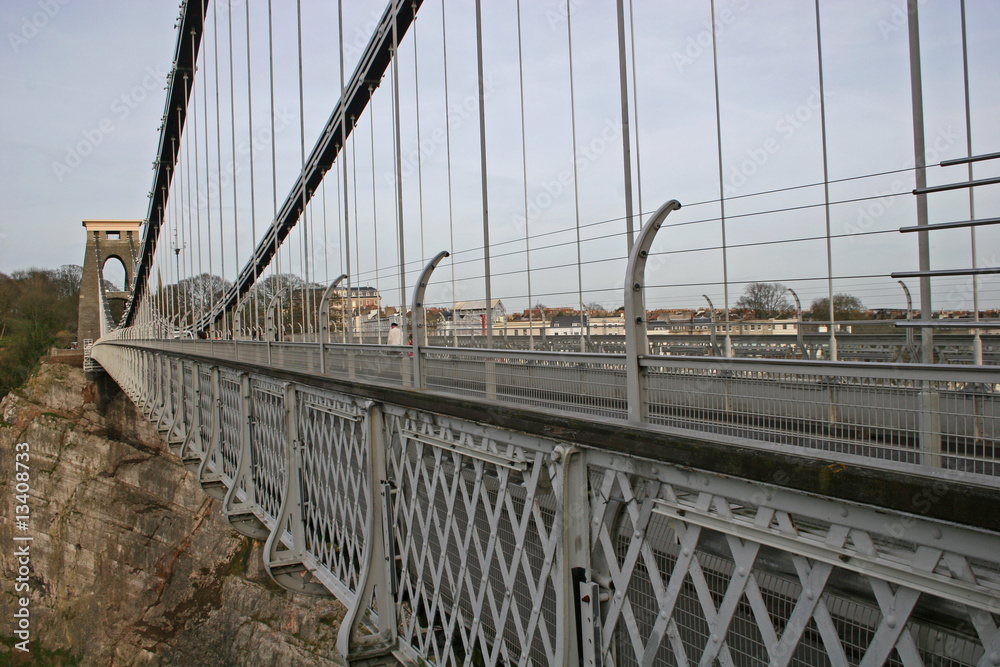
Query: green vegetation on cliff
[[38, 308]]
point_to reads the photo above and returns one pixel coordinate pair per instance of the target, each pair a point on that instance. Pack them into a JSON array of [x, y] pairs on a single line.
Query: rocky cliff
[[130, 562]]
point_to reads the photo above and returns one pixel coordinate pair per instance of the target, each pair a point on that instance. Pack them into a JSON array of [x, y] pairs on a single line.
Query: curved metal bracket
[[285, 563], [911, 346], [377, 567], [240, 512], [155, 408], [175, 434], [798, 324], [211, 481], [324, 319], [238, 318], [192, 449], [711, 310], [419, 317], [636, 340], [272, 326], [324, 308]]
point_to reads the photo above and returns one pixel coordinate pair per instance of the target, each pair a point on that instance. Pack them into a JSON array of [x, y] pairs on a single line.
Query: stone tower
[[106, 239]]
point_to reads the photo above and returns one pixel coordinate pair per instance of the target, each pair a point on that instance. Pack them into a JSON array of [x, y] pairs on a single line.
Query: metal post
[[576, 635], [711, 309], [271, 323], [626, 153], [194, 428], [376, 567], [158, 407], [482, 156], [930, 427], [324, 319], [211, 481], [163, 365], [920, 174], [798, 323], [636, 340], [420, 317], [240, 513], [176, 401], [285, 563], [910, 344]]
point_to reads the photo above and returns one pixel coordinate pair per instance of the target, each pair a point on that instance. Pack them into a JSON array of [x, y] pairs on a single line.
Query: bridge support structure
[[446, 529], [106, 240]]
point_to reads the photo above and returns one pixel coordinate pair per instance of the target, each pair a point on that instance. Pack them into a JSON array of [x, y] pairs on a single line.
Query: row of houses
[[469, 318]]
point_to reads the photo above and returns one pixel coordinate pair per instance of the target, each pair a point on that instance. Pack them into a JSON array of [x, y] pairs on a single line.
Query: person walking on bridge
[[395, 335]]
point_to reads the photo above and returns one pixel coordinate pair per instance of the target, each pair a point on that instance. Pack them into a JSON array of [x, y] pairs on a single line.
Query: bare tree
[[205, 290], [765, 300], [67, 278], [845, 307], [265, 288]]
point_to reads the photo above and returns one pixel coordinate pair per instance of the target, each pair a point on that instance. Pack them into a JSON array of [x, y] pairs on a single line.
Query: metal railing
[[928, 415], [455, 542]]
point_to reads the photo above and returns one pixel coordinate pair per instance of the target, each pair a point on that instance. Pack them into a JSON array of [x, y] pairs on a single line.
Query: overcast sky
[[83, 96]]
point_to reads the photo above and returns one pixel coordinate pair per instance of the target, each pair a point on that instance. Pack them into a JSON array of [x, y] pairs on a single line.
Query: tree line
[[38, 309], [765, 301]]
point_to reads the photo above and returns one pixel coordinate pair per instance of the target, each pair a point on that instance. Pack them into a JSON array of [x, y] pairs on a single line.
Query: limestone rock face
[[132, 564]]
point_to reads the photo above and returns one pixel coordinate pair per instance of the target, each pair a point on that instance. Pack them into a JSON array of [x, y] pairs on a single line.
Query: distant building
[[523, 327], [466, 311], [612, 325], [763, 327], [568, 325], [365, 298]]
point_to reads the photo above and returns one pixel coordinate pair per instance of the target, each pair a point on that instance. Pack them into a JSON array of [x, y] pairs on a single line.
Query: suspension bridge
[[567, 458]]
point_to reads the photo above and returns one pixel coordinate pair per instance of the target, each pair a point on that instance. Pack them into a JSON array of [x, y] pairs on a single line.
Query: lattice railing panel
[[176, 391], [335, 483], [188, 379], [206, 411], [705, 571], [231, 426], [477, 533], [267, 444]]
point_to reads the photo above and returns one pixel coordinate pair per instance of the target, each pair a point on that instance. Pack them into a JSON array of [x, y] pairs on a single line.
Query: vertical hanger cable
[[451, 204], [728, 345], [232, 136], [584, 328], [255, 302], [524, 180]]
